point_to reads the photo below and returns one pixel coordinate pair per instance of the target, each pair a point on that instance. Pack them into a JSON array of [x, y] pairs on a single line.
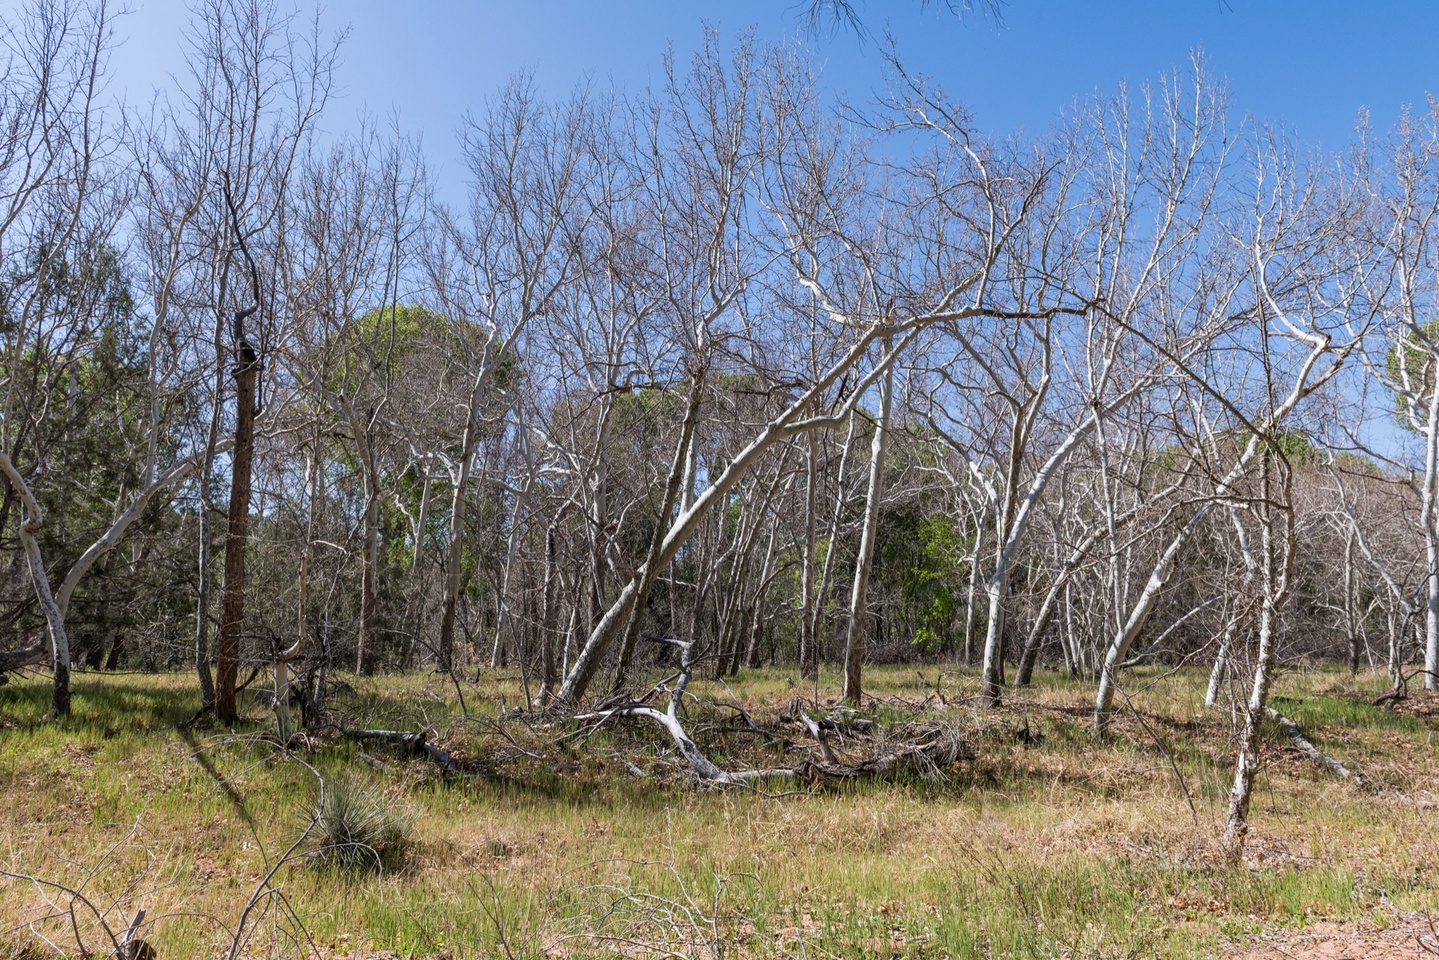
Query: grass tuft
[[358, 829]]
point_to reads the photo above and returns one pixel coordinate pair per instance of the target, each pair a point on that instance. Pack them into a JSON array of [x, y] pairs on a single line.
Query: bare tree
[[260, 85], [52, 209]]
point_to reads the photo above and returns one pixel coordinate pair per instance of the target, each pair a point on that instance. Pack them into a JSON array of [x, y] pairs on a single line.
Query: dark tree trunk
[[232, 604]]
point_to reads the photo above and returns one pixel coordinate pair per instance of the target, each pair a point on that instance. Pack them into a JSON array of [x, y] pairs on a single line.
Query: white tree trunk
[[55, 619], [864, 563]]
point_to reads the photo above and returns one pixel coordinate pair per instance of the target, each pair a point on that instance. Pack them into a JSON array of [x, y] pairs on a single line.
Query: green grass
[[1048, 843]]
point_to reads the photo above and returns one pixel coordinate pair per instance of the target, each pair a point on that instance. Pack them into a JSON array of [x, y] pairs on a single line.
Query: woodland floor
[[563, 841]]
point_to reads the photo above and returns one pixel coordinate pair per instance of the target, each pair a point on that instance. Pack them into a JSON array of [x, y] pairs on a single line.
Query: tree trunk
[[821, 589], [30, 520], [369, 580], [204, 560], [1278, 553], [864, 564], [971, 595], [512, 543], [232, 601], [1221, 663], [807, 605], [766, 577], [202, 601], [550, 614], [662, 523], [455, 549], [1351, 604]]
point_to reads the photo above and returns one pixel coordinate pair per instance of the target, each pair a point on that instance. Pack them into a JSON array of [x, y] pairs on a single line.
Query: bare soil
[[1416, 935]]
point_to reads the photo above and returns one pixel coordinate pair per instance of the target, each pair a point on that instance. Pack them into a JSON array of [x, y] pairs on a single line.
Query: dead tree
[[246, 372]]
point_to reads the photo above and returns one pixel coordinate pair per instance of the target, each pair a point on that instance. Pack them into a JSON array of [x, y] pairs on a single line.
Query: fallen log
[[1296, 736], [923, 758], [415, 743], [12, 660]]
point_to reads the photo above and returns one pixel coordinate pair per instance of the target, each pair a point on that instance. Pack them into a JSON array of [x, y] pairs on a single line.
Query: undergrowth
[[561, 841]]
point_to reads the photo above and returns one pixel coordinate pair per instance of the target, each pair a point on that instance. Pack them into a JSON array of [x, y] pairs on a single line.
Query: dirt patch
[[1414, 936]]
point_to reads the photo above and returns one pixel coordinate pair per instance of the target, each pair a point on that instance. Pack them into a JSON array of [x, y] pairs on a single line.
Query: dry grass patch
[[1046, 843]]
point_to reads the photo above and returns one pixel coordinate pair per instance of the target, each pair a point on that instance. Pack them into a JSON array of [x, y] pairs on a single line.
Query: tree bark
[[821, 590], [30, 521], [864, 564], [1277, 557], [807, 605], [237, 532]]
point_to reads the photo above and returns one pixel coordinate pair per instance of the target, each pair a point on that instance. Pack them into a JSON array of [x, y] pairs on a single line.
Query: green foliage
[[1296, 448], [920, 560], [1409, 367], [79, 382], [385, 335]]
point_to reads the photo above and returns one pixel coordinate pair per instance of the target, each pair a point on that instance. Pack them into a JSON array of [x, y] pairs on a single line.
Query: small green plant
[[358, 828]]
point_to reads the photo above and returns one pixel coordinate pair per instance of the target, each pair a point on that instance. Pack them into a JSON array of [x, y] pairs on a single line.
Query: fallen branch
[[12, 660], [820, 736], [927, 758], [416, 743], [1296, 736], [1389, 699], [701, 765], [943, 747]]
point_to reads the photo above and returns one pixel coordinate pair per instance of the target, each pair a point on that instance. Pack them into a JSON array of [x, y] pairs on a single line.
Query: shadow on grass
[[102, 705], [198, 754]]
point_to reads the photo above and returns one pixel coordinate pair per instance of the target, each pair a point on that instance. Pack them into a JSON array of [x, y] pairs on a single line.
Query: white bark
[[30, 524], [790, 423], [864, 563], [1138, 618]]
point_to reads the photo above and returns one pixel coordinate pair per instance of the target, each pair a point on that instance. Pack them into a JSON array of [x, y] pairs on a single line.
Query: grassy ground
[[1047, 844]]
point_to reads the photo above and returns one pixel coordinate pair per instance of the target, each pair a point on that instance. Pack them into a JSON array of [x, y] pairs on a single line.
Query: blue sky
[[1310, 63]]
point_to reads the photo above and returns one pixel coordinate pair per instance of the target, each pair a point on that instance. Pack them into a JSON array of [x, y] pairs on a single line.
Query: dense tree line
[[717, 361]]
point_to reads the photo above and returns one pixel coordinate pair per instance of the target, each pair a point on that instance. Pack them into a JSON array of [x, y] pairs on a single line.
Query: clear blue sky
[[1310, 63]]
